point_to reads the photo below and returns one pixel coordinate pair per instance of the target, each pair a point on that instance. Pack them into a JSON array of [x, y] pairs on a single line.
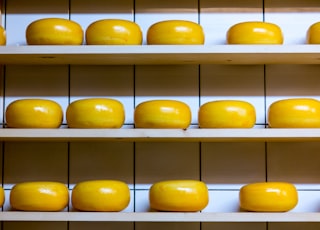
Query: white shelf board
[[159, 216], [165, 135], [161, 54]]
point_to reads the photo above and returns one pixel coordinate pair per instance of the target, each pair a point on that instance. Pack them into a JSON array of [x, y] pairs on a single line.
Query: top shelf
[[160, 54]]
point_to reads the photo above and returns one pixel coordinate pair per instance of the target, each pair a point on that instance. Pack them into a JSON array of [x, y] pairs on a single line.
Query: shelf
[[159, 217], [156, 135], [161, 54]]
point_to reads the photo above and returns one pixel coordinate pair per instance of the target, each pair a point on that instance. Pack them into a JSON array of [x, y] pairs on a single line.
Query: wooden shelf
[[159, 217], [165, 135], [160, 55]]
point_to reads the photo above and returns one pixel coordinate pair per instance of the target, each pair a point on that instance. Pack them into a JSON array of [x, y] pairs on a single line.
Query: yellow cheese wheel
[[254, 32], [162, 114], [226, 114], [179, 195], [3, 36], [175, 32], [39, 196], [101, 196], [268, 197], [294, 113], [95, 113], [313, 34], [54, 31], [2, 196], [113, 32], [34, 113]]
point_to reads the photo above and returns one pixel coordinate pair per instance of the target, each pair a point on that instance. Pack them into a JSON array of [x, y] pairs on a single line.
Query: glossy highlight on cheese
[[39, 196], [113, 32], [268, 197], [313, 34], [175, 32], [95, 113], [227, 114], [179, 196], [101, 196], [3, 36], [254, 32], [54, 31], [162, 114], [34, 113], [294, 113]]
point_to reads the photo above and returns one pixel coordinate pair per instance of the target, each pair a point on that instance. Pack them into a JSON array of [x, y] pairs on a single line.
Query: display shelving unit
[[157, 55], [160, 55]]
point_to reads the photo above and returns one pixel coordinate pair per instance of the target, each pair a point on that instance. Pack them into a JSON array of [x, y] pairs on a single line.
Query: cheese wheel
[[101, 195], [95, 113], [294, 113], [254, 32], [2, 196], [3, 36], [113, 32], [175, 32], [39, 196], [54, 31], [34, 113], [268, 197], [162, 114], [179, 195], [313, 34], [226, 114]]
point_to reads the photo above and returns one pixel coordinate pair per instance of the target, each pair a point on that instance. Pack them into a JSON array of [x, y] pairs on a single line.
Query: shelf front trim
[[159, 217], [160, 54], [160, 135]]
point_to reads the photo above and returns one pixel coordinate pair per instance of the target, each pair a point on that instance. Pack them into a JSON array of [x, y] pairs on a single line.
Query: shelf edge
[[160, 135], [161, 54], [159, 217]]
